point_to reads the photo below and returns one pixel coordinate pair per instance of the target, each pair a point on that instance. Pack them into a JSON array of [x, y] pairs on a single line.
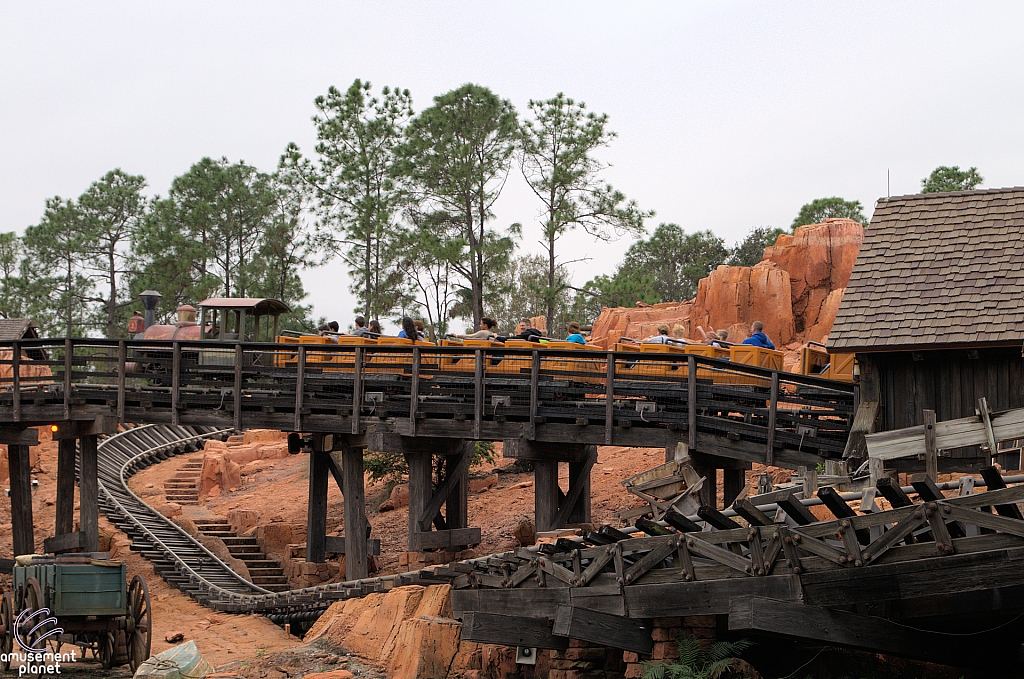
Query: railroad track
[[183, 561]]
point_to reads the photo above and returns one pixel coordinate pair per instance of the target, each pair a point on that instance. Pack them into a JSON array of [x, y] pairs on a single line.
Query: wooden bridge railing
[[573, 395]]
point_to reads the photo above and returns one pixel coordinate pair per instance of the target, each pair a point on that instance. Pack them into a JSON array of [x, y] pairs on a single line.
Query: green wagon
[[90, 603]]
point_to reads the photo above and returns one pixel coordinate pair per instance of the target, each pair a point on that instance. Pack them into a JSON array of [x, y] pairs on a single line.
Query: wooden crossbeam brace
[[453, 477], [903, 529], [568, 502], [716, 553], [511, 630]]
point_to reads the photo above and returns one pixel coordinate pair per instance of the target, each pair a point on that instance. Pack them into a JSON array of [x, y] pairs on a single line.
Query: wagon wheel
[[140, 623], [7, 620], [31, 601], [107, 650]]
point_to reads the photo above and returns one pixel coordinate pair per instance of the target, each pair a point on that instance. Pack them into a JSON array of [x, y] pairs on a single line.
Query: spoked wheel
[[107, 649], [7, 620], [140, 624], [31, 631]]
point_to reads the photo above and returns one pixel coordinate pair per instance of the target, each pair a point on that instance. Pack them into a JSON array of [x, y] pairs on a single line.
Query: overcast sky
[[729, 115]]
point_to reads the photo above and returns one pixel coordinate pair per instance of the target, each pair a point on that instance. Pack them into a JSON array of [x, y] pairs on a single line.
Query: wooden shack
[[934, 309]]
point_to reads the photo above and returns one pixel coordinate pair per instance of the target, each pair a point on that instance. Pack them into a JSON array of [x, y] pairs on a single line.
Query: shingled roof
[[17, 328], [937, 270]]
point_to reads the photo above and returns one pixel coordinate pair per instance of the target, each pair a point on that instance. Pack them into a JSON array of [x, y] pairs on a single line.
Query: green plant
[[697, 662], [392, 468]]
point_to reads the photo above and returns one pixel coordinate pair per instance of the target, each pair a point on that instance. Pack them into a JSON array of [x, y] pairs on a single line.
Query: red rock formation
[[795, 291]]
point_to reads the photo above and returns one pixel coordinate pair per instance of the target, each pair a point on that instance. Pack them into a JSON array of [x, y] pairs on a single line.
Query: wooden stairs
[[264, 572], [183, 488]]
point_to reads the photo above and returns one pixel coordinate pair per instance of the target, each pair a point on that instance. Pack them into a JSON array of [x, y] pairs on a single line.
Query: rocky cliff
[[794, 290]]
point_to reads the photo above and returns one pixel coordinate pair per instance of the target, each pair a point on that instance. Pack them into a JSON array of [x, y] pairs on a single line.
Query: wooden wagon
[[91, 605]]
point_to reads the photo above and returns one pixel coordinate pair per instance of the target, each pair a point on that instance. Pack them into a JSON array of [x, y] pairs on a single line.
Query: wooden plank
[[609, 399], [691, 401], [355, 514], [796, 510], [931, 452], [863, 423], [478, 394], [414, 390], [456, 505], [69, 353], [64, 543], [510, 630], [453, 539], [994, 481], [420, 481], [20, 471], [88, 492], [705, 597], [959, 433], [336, 545], [773, 405], [65, 500], [837, 628], [545, 493], [300, 385], [316, 508], [986, 419], [237, 391], [748, 511], [122, 359], [613, 631], [524, 449], [357, 391], [335, 469], [16, 379], [175, 381], [531, 432]]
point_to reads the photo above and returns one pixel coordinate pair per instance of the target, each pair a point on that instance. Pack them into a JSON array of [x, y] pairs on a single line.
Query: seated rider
[[524, 331], [574, 333], [361, 329], [661, 338], [486, 331], [759, 339]]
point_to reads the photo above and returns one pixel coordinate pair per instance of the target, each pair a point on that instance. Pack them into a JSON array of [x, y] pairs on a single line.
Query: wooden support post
[[89, 492], [478, 394], [534, 394], [20, 471], [355, 514], [986, 417], [316, 508], [122, 359], [357, 391], [414, 391], [175, 381], [876, 469], [300, 385], [733, 481], [545, 493], [708, 494], [609, 399], [773, 405], [579, 476], [66, 453], [237, 393], [16, 379], [931, 453], [810, 482], [68, 354], [419, 491], [457, 504], [691, 406]]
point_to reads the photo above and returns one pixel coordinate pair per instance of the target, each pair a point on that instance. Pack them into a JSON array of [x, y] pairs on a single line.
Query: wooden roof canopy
[[260, 305], [12, 329], [936, 271]]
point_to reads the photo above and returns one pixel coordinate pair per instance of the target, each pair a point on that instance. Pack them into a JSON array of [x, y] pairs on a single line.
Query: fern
[[696, 662]]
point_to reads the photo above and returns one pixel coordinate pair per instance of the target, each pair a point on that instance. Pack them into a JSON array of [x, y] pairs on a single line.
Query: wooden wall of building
[[949, 382]]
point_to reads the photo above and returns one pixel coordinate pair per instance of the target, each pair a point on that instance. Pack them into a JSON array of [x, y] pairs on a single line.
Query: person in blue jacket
[[574, 333], [759, 339]]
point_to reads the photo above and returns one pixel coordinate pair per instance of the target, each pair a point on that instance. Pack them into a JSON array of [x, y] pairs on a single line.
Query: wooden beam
[[414, 391], [575, 502], [837, 628], [300, 385], [545, 494], [691, 403], [733, 481], [88, 492], [420, 481], [237, 390], [65, 501], [863, 423], [355, 514], [523, 449], [613, 631], [64, 543], [959, 433], [451, 540], [385, 442], [931, 452], [609, 399], [994, 481], [19, 436], [316, 508], [456, 505], [510, 630], [335, 469], [796, 510], [75, 429], [335, 544], [357, 392], [773, 406], [706, 597], [20, 470]]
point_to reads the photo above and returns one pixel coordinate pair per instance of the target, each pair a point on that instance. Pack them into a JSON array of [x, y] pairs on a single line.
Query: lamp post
[[150, 298]]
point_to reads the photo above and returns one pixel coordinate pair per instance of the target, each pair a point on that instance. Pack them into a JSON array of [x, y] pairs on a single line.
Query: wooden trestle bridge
[[548, 405]]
